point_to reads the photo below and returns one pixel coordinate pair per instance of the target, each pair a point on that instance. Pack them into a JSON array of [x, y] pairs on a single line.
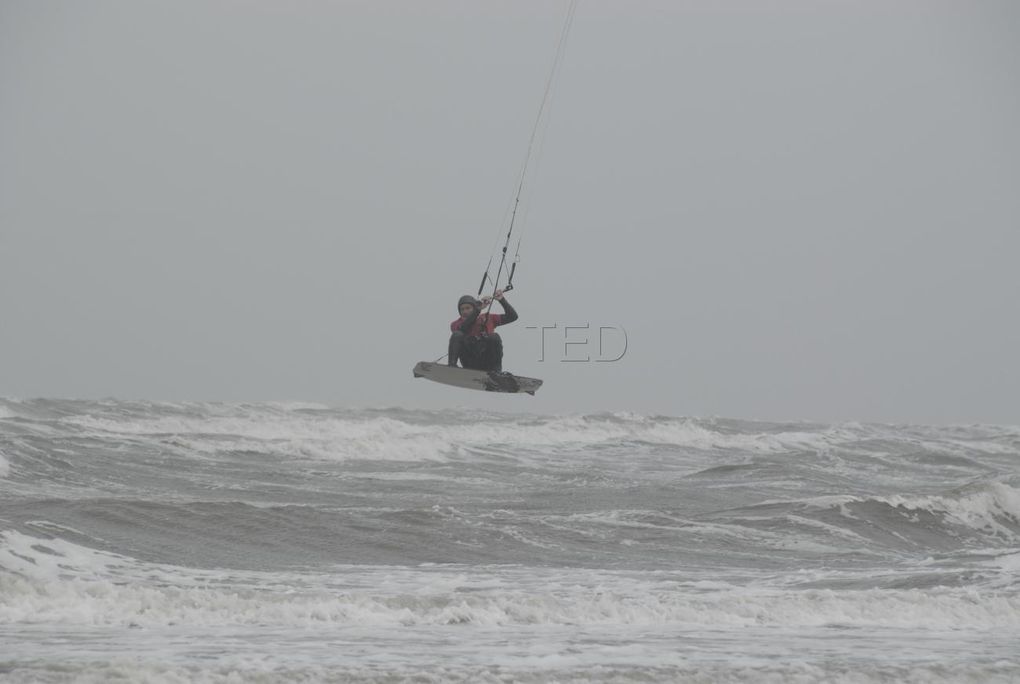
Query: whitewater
[[290, 542]]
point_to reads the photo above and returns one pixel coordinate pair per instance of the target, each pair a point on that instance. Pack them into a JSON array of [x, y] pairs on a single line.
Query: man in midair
[[474, 341]]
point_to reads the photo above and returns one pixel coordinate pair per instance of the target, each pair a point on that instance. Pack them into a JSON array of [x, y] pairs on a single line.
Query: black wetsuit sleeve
[[509, 313], [465, 327]]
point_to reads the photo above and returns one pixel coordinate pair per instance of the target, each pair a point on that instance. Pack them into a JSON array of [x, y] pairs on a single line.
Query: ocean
[[289, 542]]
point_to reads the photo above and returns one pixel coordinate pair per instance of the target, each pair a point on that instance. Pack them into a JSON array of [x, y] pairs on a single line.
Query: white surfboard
[[489, 381]]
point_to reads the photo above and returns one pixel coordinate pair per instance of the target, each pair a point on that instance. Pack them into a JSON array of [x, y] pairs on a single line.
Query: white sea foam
[[295, 436], [137, 670], [55, 581], [986, 507], [983, 509], [382, 437], [338, 435], [690, 574]]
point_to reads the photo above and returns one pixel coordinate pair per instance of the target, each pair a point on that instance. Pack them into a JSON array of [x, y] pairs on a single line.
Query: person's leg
[[456, 348], [472, 353], [491, 356], [496, 351]]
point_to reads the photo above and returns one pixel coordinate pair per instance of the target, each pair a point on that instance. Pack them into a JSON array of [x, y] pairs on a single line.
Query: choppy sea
[[206, 542]]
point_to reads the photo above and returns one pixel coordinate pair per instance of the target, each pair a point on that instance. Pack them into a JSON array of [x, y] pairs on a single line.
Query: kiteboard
[[489, 381]]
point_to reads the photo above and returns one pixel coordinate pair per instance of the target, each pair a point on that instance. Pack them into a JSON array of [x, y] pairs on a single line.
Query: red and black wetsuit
[[475, 343]]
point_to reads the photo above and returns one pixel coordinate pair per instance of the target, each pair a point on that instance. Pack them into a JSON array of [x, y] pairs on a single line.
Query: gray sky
[[795, 210]]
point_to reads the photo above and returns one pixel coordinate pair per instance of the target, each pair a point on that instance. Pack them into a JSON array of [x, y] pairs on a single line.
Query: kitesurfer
[[474, 341]]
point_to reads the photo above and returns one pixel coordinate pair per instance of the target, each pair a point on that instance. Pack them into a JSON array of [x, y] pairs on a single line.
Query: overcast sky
[[794, 210]]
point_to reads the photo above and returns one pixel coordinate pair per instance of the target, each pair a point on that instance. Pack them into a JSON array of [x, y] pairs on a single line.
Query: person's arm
[[509, 313]]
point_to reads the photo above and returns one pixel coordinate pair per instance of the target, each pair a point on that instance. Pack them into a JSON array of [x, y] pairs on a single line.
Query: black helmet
[[467, 299]]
